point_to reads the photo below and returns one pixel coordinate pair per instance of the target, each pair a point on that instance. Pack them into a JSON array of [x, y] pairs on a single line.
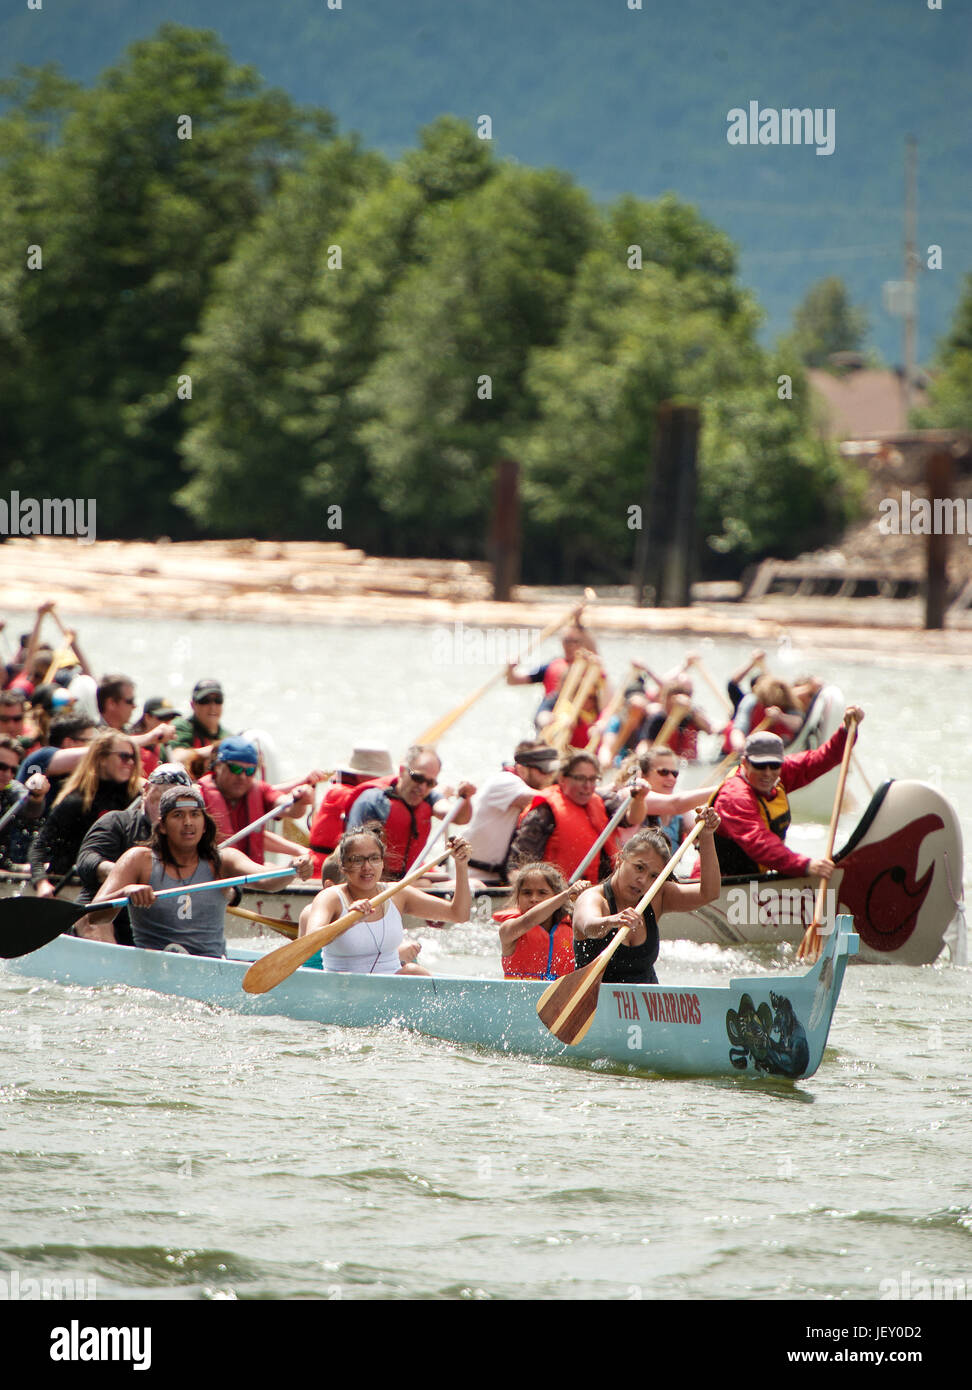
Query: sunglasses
[[584, 781], [240, 770], [422, 781], [125, 757], [211, 700], [765, 767], [666, 771], [166, 778]]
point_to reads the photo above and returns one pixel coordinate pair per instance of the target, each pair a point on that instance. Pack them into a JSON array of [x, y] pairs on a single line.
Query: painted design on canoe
[[882, 888], [771, 1035]]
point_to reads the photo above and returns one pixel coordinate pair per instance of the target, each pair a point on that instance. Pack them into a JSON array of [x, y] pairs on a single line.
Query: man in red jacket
[[755, 809]]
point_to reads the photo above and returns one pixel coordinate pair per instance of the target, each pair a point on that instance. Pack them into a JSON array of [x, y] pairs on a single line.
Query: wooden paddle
[[272, 814], [809, 948], [279, 924], [435, 731], [267, 972], [679, 710], [27, 924], [719, 694], [568, 1006]]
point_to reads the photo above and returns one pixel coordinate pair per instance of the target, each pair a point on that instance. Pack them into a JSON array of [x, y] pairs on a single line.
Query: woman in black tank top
[[602, 911]]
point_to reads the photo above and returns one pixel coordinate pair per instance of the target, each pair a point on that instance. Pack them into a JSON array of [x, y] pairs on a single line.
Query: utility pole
[[911, 271]]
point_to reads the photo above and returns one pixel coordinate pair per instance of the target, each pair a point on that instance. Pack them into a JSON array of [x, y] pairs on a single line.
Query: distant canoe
[[772, 1025], [900, 875]]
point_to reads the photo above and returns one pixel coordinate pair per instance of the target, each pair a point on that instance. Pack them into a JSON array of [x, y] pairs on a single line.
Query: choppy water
[[166, 1149]]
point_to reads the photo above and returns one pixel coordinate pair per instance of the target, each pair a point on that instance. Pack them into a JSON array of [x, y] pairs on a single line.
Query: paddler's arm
[[419, 904], [326, 908], [511, 931], [591, 919], [677, 803], [684, 897], [464, 792], [234, 864], [128, 878]]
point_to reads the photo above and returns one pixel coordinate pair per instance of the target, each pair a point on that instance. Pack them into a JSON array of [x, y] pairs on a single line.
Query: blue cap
[[237, 750]]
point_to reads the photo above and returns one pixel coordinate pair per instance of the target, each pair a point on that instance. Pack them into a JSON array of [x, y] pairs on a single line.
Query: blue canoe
[[763, 1025]]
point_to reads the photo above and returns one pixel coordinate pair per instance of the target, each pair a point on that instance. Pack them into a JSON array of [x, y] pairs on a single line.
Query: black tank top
[[630, 965]]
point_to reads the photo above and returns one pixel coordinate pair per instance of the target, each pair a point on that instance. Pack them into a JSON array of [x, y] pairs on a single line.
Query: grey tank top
[[191, 920]]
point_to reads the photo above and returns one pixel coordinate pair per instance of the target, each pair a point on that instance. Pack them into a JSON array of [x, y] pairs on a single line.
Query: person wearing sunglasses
[[197, 736], [405, 808], [235, 796], [561, 823], [754, 806], [106, 779], [667, 809], [116, 705]]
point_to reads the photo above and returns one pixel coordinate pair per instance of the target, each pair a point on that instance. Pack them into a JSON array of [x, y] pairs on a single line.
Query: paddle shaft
[[272, 969], [834, 818], [445, 823], [679, 710], [720, 694], [435, 731], [11, 811], [272, 814], [645, 901], [196, 888]]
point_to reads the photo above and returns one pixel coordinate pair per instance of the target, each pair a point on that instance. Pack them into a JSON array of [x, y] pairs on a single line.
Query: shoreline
[[304, 583]]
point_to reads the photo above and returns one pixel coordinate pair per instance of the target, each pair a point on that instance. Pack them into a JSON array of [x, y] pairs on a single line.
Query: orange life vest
[[539, 954], [575, 829]]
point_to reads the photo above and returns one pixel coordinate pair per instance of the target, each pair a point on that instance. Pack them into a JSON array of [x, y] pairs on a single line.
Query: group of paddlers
[[576, 852]]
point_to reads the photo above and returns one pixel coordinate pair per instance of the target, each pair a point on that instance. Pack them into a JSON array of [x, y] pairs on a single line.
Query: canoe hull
[[771, 1025]]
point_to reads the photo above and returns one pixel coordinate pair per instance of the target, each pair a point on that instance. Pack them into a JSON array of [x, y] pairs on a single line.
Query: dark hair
[[568, 765], [158, 843], [12, 697], [555, 880], [331, 868], [110, 688], [648, 837], [68, 726], [646, 761], [372, 828], [11, 745]]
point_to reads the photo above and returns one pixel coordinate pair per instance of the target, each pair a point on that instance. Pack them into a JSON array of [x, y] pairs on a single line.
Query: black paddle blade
[[27, 924]]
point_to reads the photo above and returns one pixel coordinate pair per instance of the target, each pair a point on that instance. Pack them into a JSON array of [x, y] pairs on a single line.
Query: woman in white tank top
[[370, 946]]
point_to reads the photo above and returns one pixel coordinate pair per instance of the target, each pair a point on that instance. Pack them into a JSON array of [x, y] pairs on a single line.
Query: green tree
[[950, 392], [132, 221], [449, 392], [825, 322]]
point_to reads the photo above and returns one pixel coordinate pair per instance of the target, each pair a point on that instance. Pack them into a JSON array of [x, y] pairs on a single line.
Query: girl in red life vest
[[535, 927]]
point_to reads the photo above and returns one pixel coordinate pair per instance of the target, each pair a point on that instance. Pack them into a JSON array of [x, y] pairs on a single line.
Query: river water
[[165, 1149]]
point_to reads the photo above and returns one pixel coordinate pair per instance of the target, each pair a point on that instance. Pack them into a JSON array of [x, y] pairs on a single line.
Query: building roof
[[863, 403]]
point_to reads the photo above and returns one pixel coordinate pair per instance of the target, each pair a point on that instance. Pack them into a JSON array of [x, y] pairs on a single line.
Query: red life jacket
[[406, 831], [218, 808], [554, 674], [575, 829], [329, 822], [539, 954]]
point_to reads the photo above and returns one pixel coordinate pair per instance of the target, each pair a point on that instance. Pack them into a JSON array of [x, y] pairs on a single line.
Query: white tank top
[[367, 948]]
